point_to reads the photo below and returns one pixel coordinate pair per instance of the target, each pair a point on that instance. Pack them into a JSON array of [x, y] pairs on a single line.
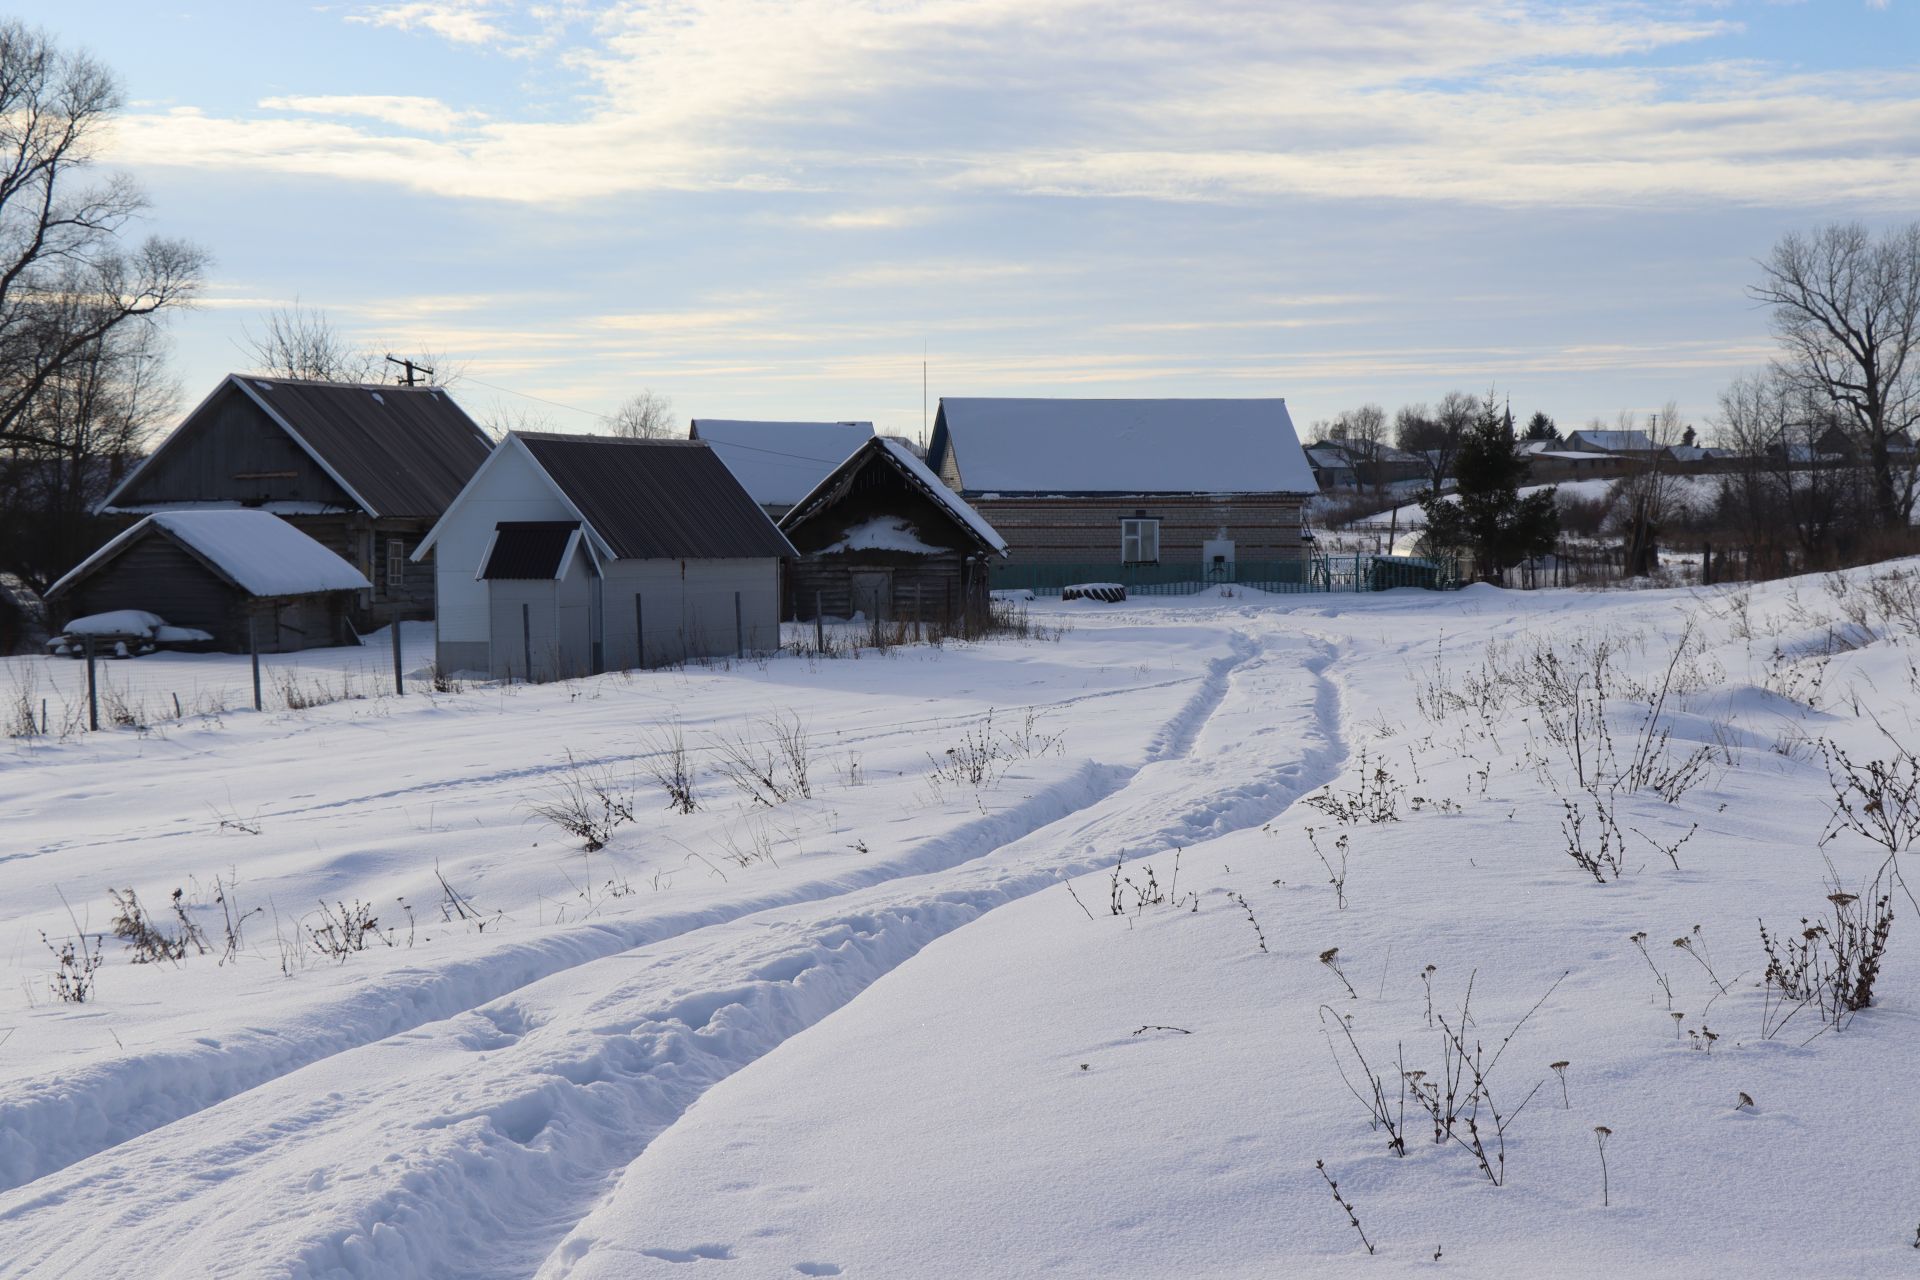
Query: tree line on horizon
[[1822, 435]]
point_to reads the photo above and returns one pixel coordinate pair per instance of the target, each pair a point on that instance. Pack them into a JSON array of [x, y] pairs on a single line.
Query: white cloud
[[428, 115], [1483, 101]]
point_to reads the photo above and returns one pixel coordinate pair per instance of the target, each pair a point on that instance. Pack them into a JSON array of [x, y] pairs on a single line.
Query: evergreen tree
[[1541, 427], [1487, 518]]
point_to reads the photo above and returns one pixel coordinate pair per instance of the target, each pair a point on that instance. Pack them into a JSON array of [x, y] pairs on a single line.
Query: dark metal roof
[[657, 499], [405, 451], [528, 549]]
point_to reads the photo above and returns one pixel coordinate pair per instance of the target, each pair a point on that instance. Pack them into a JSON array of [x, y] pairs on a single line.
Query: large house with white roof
[[1129, 485], [779, 463]]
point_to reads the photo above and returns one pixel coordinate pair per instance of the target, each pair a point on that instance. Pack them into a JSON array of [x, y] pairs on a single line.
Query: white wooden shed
[[567, 555]]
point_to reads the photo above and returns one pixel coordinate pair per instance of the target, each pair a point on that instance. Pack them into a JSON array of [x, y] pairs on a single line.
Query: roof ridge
[[584, 437], [344, 386]]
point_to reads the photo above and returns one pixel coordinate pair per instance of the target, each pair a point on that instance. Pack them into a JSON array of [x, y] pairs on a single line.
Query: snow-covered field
[[1038, 972]]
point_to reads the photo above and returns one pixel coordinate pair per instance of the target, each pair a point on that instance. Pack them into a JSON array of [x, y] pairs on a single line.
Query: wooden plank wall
[[1086, 530]]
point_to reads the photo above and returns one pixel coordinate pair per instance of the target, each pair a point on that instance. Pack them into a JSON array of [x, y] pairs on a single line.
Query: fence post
[[253, 650], [93, 692], [399, 681], [739, 635], [526, 640], [819, 625], [919, 631], [639, 633]]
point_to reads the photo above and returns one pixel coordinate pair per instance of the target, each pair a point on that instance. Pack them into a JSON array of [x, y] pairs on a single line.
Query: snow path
[[505, 1122], [464, 781], [64, 1113]]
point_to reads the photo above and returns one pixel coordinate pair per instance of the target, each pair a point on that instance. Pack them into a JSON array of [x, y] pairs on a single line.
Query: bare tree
[[1780, 484], [646, 416], [1438, 444], [92, 421], [502, 420], [1363, 432], [1846, 306], [66, 277], [302, 342], [1647, 490]]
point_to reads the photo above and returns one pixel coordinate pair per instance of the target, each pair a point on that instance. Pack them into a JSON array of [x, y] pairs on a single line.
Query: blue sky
[[771, 208]]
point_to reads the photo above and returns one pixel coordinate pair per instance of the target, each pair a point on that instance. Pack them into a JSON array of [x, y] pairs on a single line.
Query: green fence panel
[[1317, 573]]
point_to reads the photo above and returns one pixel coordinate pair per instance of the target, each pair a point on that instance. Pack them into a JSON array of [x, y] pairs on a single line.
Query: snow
[[181, 635], [883, 533], [116, 622], [1125, 446], [937, 488], [779, 463], [286, 507], [261, 553], [871, 1031]]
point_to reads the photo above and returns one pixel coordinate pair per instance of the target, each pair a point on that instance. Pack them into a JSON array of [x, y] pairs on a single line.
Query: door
[[872, 593], [1217, 555]]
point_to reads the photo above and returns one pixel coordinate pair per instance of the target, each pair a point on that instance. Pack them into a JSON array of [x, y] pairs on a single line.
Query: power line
[[571, 408]]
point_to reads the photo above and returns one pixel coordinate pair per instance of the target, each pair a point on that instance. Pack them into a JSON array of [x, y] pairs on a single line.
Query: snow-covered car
[[124, 633]]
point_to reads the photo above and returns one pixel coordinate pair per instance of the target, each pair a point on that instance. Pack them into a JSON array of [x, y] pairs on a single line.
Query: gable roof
[[1611, 441], [1119, 446], [896, 454], [258, 553], [396, 451], [641, 499], [780, 462]]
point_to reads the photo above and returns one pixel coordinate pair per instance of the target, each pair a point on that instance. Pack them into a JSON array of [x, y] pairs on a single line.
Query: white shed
[[567, 554]]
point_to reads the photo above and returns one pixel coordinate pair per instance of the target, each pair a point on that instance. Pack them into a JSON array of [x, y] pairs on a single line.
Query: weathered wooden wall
[[156, 575], [927, 588], [235, 453], [1086, 530]]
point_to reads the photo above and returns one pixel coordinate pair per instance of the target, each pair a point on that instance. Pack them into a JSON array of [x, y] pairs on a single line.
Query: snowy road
[[880, 1038], [543, 1092]]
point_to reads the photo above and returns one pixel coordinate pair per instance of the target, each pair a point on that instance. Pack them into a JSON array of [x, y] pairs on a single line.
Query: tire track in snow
[[513, 1118], [48, 1123], [452, 787]]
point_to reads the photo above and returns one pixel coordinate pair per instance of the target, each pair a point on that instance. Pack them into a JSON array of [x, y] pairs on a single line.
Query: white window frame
[[1140, 540], [396, 575]]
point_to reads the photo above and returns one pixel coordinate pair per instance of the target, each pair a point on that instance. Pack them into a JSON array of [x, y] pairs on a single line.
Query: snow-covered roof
[[917, 473], [259, 553], [1612, 441], [780, 462], [1120, 446], [937, 489]]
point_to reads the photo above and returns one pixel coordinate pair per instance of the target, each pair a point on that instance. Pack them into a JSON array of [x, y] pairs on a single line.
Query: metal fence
[[61, 695], [1362, 572]]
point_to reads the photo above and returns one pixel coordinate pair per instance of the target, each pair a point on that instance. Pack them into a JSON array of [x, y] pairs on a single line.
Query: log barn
[[243, 577], [883, 538]]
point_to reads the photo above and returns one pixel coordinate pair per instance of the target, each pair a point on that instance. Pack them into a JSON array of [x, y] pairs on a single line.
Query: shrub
[[585, 803]]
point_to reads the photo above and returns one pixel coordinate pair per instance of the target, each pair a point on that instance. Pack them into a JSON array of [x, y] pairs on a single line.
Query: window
[[1140, 540], [396, 564]]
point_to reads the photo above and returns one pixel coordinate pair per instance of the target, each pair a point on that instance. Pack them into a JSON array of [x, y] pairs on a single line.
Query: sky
[[783, 208]]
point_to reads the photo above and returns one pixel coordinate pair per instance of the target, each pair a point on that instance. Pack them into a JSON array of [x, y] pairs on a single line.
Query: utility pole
[[411, 372]]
